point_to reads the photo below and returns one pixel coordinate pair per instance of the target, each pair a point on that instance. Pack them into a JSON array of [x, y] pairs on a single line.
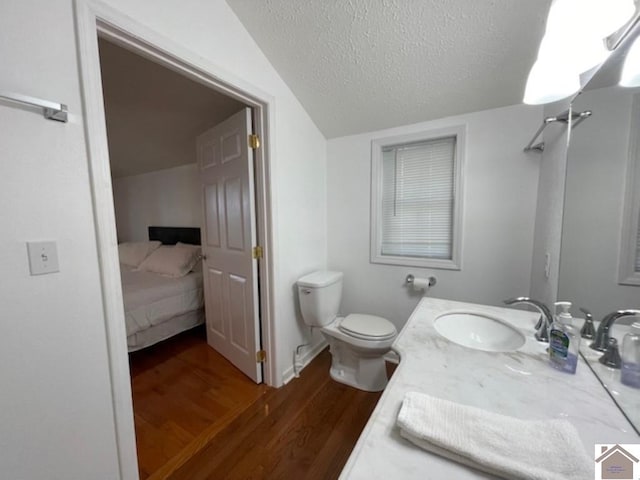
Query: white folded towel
[[503, 446]]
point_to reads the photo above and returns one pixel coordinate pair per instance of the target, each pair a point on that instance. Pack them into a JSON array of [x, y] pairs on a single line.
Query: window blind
[[418, 199]]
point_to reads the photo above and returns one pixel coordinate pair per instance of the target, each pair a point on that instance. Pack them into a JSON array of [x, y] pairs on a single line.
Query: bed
[[158, 307]]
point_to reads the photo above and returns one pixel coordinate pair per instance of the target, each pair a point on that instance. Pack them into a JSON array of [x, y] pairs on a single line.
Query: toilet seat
[[367, 327]]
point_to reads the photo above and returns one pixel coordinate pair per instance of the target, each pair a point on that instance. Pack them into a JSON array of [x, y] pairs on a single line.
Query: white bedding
[[162, 331], [151, 299]]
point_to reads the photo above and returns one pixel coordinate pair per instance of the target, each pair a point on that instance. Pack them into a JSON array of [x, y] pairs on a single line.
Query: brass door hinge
[[257, 252], [261, 356], [254, 141]]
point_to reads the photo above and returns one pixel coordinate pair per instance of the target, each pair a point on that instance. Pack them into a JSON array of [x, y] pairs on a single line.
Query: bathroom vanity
[[518, 383]]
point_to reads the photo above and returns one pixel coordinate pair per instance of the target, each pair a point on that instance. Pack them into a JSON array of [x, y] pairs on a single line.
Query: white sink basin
[[479, 331]]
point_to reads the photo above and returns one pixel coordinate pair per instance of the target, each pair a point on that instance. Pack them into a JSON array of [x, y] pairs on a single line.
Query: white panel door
[[230, 272]]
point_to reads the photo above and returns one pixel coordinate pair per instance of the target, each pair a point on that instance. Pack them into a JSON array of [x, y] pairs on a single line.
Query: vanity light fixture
[[631, 71], [604, 17], [572, 44], [550, 82], [574, 35]]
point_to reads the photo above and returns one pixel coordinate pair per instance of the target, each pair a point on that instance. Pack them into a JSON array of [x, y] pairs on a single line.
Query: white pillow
[[171, 261], [133, 253], [197, 248]]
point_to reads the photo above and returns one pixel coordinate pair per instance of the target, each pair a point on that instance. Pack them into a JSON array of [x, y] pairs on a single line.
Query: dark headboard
[[173, 235]]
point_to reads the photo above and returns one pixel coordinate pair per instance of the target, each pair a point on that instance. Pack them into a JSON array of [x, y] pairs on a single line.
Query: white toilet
[[358, 342]]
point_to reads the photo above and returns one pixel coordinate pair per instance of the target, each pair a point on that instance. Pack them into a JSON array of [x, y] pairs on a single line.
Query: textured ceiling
[[154, 114], [361, 65]]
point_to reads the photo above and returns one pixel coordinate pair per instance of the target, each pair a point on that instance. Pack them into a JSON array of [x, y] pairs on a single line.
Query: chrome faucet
[[546, 318], [602, 335]]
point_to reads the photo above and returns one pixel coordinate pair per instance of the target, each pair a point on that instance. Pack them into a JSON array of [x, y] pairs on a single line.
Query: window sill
[[416, 262], [632, 280]]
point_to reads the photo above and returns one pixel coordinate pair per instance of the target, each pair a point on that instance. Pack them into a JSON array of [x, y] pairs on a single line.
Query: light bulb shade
[[608, 16], [573, 43], [549, 82], [562, 15], [631, 71], [588, 53], [589, 18], [577, 52]]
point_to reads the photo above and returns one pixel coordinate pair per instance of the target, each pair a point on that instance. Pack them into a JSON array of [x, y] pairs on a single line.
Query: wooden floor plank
[[158, 446]]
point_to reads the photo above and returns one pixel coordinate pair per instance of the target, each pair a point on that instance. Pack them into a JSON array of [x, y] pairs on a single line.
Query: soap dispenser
[[564, 340], [631, 356]]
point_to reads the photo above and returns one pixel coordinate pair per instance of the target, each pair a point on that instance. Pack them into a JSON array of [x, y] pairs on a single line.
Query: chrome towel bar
[[576, 118], [51, 110]]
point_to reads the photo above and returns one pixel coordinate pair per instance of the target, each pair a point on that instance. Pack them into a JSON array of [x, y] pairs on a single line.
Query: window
[[629, 266], [416, 200]]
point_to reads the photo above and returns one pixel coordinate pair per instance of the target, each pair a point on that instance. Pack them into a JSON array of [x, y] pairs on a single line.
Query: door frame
[[95, 18]]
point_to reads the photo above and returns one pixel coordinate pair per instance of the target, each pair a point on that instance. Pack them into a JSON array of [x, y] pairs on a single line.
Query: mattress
[[151, 299], [162, 331]]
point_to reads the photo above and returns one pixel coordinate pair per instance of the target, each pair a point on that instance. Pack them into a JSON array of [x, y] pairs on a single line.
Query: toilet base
[[368, 373]]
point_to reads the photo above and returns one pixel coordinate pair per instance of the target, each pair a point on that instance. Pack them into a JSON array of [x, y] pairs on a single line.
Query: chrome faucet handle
[[587, 313], [588, 331], [601, 341], [611, 357]]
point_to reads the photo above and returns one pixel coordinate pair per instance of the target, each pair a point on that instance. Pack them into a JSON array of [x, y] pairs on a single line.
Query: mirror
[[600, 220]]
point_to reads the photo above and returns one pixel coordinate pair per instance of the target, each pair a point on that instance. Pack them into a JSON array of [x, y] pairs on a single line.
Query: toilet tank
[[320, 294]]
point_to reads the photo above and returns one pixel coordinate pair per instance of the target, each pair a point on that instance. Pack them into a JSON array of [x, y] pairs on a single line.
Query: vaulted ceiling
[[355, 65], [362, 65]]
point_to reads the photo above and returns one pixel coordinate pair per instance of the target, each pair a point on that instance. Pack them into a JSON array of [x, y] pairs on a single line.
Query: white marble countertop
[[520, 384]]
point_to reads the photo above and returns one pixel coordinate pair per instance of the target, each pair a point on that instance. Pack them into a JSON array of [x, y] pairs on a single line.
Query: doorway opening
[[95, 20], [182, 179]]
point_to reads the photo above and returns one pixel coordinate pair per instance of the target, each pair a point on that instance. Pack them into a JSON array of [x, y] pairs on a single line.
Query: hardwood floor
[[184, 393], [304, 430]]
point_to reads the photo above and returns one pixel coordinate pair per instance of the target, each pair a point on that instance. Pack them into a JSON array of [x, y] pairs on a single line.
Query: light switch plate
[[43, 257]]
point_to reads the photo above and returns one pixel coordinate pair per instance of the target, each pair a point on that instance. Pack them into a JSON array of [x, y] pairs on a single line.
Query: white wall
[[594, 202], [55, 407], [548, 232], [499, 208], [168, 198]]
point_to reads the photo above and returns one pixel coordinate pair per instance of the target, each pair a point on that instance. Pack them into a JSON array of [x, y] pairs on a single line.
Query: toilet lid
[[367, 326]]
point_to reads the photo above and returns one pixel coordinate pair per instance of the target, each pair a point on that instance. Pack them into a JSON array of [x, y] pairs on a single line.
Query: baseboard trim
[[305, 359]]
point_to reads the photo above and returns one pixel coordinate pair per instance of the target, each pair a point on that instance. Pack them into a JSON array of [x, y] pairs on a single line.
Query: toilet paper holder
[[410, 278]]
